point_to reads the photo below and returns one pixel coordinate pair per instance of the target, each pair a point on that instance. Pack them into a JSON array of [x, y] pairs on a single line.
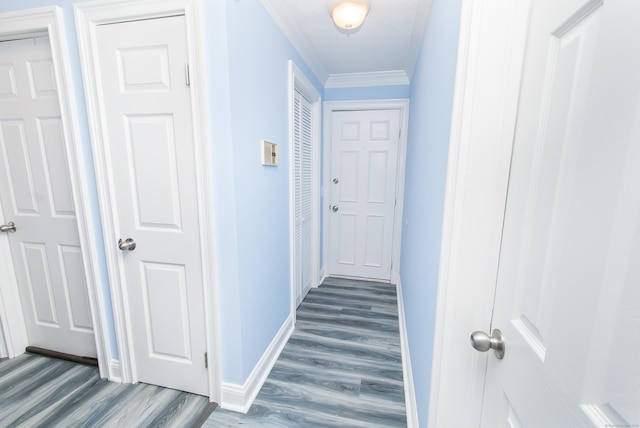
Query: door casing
[[490, 57], [329, 107], [37, 22], [88, 16]]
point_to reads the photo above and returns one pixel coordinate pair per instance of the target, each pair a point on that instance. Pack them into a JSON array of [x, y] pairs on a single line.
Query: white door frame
[[490, 58], [329, 107], [88, 16], [297, 80], [38, 22]]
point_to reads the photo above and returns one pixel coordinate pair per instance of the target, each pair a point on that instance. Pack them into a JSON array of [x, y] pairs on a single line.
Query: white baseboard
[[239, 398], [115, 375], [409, 391], [323, 276]]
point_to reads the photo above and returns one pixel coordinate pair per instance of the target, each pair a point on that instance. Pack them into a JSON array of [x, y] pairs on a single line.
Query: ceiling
[[383, 50]]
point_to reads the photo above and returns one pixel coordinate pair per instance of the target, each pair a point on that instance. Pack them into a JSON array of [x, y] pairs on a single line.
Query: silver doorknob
[[482, 342], [128, 245], [334, 208], [10, 227], [335, 181]]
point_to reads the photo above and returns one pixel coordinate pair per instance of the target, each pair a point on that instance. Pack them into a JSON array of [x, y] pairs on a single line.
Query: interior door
[[303, 194], [152, 174], [568, 294], [364, 159], [37, 202]]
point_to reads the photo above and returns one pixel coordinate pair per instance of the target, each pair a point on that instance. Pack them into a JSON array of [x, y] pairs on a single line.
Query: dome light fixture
[[348, 14]]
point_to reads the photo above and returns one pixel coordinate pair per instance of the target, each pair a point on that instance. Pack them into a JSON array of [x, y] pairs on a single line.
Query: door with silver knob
[[37, 210], [155, 197], [9, 227], [481, 341], [363, 174]]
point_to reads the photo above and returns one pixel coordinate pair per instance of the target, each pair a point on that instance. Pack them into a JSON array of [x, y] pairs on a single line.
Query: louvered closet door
[[303, 195]]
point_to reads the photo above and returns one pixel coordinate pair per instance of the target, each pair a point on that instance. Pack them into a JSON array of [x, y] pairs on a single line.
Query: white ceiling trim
[[289, 26], [372, 78], [417, 37]]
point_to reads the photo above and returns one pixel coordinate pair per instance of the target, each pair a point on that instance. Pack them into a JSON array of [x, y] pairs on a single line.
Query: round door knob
[[9, 227], [482, 342], [334, 208], [127, 245], [335, 181]]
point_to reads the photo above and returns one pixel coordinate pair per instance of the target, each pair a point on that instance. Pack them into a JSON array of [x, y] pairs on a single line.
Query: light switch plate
[[269, 153]]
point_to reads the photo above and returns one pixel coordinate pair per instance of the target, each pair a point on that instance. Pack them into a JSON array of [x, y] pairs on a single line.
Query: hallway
[[342, 365]]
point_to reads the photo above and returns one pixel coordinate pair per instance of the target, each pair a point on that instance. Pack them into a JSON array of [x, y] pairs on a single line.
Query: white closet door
[[303, 194]]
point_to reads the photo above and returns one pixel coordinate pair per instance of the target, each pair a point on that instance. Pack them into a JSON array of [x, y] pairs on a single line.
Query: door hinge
[[206, 361], [187, 77]]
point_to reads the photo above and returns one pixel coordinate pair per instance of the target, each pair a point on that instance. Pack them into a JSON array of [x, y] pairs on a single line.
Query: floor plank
[[342, 366], [37, 391]]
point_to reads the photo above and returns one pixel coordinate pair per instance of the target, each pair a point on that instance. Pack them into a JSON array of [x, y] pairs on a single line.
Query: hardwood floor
[[37, 391], [342, 367]]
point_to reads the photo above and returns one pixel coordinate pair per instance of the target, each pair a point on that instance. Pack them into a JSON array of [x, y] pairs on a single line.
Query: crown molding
[[292, 31], [371, 78]]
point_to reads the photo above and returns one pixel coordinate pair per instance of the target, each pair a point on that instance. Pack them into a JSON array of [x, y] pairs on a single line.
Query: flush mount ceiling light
[[348, 14]]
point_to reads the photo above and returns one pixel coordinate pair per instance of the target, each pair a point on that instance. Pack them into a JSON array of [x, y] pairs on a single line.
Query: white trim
[[407, 371], [240, 397], [399, 104], [490, 56], [322, 275], [290, 27], [89, 15], [49, 20], [3, 346], [370, 78], [114, 369], [297, 80]]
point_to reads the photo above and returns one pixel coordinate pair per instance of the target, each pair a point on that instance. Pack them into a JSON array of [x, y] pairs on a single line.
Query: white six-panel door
[[36, 195], [568, 293], [364, 161], [151, 169]]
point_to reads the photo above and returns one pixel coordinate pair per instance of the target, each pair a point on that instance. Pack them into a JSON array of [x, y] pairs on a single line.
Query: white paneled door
[[152, 173], [36, 196], [364, 159], [568, 293]]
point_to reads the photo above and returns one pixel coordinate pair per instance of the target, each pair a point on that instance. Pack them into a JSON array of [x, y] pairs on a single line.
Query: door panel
[[567, 294], [152, 175], [363, 192], [36, 195]]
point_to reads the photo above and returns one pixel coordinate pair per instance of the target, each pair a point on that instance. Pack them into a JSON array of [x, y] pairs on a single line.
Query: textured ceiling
[[389, 39]]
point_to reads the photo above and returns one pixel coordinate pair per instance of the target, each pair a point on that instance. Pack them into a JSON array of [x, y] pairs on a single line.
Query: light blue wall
[[249, 98], [427, 152], [247, 94], [367, 93]]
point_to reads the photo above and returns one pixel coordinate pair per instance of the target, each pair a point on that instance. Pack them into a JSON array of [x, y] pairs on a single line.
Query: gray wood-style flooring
[[37, 391], [342, 366]]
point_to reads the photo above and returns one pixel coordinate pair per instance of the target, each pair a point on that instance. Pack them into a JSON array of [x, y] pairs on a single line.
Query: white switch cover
[[269, 153]]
